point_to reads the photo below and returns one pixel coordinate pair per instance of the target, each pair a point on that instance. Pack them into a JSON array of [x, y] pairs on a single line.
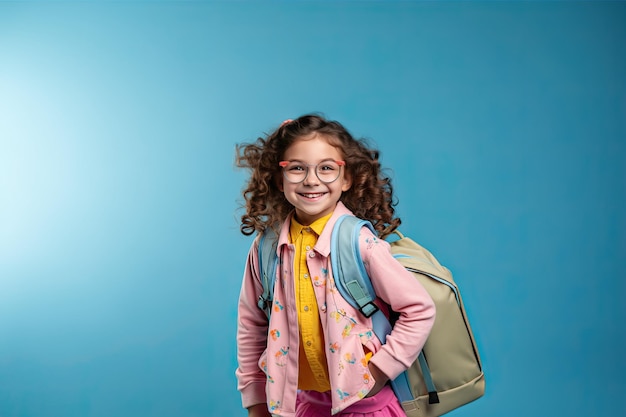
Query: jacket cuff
[[388, 364], [253, 394]]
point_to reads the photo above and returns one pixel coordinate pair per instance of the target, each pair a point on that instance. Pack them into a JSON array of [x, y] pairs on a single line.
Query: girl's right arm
[[252, 327]]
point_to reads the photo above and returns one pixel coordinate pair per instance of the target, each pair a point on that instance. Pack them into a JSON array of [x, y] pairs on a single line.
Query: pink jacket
[[268, 352]]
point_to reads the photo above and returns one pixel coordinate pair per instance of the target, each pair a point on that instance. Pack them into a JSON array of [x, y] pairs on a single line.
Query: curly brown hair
[[370, 197]]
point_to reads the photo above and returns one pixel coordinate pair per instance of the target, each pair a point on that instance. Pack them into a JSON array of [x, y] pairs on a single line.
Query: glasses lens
[[327, 171], [295, 171]]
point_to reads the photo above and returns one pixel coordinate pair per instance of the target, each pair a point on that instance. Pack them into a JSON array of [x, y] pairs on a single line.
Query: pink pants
[[317, 404]]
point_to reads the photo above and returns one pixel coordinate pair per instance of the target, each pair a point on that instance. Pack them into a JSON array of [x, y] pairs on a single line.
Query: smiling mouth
[[312, 195]]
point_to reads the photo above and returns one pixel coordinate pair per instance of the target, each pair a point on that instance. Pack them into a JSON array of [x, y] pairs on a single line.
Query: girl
[[316, 355]]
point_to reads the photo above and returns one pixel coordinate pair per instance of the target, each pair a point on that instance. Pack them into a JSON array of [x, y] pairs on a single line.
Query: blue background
[[503, 125]]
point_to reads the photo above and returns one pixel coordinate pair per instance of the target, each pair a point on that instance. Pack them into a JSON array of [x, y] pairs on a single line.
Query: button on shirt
[[313, 369]]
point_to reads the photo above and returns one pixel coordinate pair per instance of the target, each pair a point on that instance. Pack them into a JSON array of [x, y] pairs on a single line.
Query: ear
[[346, 182]]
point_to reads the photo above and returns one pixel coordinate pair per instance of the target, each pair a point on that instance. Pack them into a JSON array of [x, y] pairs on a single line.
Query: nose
[[311, 177]]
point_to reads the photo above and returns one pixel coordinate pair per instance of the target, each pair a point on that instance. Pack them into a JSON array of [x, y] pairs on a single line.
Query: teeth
[[312, 195]]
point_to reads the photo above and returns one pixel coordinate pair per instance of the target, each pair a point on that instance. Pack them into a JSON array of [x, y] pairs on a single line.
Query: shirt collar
[[317, 226]]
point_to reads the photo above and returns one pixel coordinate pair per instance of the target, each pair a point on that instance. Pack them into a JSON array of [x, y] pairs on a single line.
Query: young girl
[[316, 355]]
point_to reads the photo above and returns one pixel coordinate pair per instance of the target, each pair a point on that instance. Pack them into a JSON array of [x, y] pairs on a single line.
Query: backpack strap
[[351, 278], [268, 263], [350, 275]]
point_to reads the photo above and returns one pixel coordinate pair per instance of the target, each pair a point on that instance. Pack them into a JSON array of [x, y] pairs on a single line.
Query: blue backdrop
[[503, 124]]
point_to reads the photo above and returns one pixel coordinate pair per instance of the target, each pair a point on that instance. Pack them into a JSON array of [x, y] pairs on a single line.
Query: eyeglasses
[[327, 171]]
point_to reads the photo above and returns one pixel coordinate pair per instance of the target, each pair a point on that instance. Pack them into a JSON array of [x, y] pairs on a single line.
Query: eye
[[328, 166], [296, 168]]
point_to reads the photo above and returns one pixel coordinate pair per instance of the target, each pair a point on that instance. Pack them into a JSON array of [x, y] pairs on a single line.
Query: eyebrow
[[322, 160]]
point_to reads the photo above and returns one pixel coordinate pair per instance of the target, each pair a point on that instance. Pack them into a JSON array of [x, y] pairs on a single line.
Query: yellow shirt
[[313, 369]]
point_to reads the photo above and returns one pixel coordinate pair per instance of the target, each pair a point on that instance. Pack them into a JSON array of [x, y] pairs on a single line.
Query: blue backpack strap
[[268, 262], [402, 387], [350, 275], [351, 278]]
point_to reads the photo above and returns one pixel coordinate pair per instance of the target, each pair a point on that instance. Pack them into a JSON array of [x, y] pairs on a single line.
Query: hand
[[259, 410], [379, 377]]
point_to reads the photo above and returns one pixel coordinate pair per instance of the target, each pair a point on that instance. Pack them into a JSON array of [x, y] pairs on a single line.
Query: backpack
[[448, 372]]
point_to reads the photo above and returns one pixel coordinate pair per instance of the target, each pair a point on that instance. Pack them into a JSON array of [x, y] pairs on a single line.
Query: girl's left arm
[[398, 288]]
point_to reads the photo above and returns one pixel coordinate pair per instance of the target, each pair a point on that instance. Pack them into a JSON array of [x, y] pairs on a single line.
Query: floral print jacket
[[268, 350]]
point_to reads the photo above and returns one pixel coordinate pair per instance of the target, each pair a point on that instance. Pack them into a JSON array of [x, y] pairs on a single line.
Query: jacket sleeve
[[252, 325], [399, 289]]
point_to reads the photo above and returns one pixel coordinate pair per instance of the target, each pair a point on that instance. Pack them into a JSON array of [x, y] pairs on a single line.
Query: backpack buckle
[[368, 309], [264, 304]]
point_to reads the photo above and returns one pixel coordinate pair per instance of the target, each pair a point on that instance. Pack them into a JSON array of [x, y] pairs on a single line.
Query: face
[[312, 198]]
